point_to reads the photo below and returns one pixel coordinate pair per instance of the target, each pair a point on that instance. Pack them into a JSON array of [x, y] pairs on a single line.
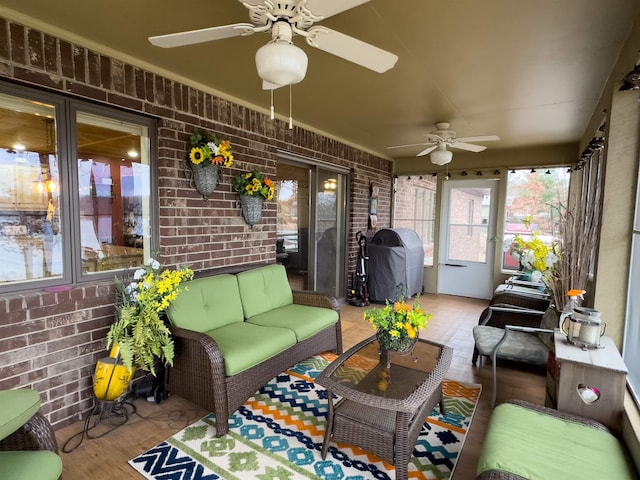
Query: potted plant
[[537, 258], [398, 324], [206, 154], [139, 334], [253, 188]]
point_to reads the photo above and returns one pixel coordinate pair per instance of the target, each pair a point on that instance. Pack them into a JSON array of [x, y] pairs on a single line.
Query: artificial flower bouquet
[[207, 150], [139, 331], [254, 184], [398, 323], [535, 256]]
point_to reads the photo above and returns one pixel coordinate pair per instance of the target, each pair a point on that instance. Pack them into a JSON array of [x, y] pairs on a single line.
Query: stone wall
[[51, 340]]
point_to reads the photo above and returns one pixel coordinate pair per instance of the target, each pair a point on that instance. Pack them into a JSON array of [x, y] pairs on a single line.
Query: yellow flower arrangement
[[254, 184], [139, 331], [398, 323], [535, 256], [207, 150]]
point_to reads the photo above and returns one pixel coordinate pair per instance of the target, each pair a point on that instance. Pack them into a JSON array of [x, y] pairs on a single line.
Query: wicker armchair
[[587, 442], [28, 447]]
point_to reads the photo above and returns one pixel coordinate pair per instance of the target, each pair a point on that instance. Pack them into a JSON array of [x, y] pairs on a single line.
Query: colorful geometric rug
[[278, 434]]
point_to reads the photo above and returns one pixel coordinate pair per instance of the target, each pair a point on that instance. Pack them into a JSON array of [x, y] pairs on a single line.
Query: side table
[[574, 371], [385, 398]]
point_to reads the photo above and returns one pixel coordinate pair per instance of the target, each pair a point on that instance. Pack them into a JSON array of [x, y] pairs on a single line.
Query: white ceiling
[[530, 72]]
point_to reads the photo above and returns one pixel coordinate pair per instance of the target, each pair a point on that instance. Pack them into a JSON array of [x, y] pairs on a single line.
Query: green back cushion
[[538, 446], [207, 303], [263, 289]]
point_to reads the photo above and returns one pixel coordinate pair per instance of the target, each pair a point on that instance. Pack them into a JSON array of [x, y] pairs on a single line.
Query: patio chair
[[515, 343], [512, 299], [28, 447]]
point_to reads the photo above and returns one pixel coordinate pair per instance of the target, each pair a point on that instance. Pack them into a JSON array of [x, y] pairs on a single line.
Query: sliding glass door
[[311, 226]]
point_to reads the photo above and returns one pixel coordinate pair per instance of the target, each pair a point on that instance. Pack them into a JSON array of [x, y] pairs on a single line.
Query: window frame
[[66, 109]]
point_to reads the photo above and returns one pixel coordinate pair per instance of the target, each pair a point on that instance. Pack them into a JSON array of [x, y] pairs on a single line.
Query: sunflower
[[196, 155]]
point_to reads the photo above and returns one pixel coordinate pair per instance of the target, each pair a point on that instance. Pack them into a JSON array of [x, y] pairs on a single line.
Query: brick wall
[[50, 341]]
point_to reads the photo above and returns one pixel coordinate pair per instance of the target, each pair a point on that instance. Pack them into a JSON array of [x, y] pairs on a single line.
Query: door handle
[[454, 265]]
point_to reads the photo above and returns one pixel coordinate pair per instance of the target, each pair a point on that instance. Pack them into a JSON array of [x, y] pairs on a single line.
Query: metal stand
[[115, 413]]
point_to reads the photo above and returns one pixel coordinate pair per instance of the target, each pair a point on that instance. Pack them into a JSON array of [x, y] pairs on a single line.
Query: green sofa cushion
[[207, 303], [31, 465], [244, 345], [304, 320], [263, 289], [18, 406], [542, 447]]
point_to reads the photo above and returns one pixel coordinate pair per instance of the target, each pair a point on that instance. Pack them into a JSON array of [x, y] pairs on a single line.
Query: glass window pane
[[532, 204], [468, 243], [30, 238], [415, 208], [114, 189]]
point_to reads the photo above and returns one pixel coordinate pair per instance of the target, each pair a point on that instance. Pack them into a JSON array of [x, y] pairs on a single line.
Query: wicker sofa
[[235, 332], [526, 441]]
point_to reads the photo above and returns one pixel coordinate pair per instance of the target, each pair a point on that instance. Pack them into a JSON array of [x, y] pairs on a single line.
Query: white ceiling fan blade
[[409, 145], [427, 150], [468, 146], [202, 35], [327, 8], [480, 138], [351, 49]]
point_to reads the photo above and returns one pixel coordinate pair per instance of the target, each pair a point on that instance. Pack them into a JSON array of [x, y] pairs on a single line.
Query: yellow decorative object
[[383, 385], [111, 378]]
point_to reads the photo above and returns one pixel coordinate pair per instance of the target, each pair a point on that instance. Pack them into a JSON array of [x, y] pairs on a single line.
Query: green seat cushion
[[207, 303], [244, 345], [30, 465], [18, 406], [304, 320], [263, 289], [536, 446]]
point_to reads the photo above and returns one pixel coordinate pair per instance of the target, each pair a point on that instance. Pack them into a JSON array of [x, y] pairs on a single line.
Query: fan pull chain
[[290, 109], [273, 110]]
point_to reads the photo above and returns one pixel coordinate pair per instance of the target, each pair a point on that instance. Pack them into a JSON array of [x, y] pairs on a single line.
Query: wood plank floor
[[453, 319]]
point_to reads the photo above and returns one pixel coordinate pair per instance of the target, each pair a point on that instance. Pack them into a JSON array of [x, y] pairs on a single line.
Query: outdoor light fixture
[[441, 156]]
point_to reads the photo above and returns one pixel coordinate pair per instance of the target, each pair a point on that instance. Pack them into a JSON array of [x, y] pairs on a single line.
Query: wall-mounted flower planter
[[205, 178], [251, 208]]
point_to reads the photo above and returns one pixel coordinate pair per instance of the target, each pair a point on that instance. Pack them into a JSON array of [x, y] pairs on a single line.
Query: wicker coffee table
[[385, 398]]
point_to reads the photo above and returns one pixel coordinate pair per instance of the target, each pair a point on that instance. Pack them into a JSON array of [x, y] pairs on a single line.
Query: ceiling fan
[[280, 62], [439, 139]]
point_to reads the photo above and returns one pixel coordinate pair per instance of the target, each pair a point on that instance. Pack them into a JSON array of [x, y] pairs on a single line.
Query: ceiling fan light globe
[[441, 157], [281, 63]]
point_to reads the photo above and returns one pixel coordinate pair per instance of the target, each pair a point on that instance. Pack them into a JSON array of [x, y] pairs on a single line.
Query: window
[[532, 205], [415, 208], [630, 351], [75, 190]]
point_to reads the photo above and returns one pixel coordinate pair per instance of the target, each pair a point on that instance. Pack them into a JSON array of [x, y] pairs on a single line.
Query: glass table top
[[385, 374]]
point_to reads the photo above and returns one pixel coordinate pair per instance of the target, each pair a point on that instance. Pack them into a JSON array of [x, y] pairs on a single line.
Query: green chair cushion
[[537, 446], [263, 289], [18, 406], [30, 465], [304, 320], [207, 303], [244, 345]]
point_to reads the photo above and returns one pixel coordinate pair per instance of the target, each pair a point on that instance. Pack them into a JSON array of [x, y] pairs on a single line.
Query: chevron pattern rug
[[278, 434]]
